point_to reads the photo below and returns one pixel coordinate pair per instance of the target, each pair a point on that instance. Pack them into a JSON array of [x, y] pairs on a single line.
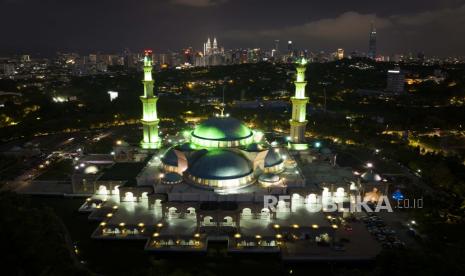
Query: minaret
[[149, 107], [299, 105]]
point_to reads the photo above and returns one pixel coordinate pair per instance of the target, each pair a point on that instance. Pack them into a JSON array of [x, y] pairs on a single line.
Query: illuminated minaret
[[149, 120], [299, 105]]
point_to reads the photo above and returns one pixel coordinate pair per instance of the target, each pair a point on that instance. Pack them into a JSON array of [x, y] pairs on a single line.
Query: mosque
[[215, 184]]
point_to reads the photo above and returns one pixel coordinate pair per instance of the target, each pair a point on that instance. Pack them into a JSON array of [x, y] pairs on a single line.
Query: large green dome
[[219, 164], [222, 132], [222, 128]]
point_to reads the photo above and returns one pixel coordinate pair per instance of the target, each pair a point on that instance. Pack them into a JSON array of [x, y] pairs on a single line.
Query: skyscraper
[[215, 45], [299, 105], [276, 45], [372, 42], [289, 47], [149, 120], [207, 47], [395, 81], [340, 54]]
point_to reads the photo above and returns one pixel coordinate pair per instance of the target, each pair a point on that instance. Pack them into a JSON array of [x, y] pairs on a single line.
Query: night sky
[[436, 27]]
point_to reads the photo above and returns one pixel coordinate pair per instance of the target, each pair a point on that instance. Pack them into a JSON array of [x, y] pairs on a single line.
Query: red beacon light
[[148, 52]]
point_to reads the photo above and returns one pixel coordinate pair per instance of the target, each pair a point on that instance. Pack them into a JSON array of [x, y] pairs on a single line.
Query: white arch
[[115, 190], [228, 221], [102, 190], [191, 211], [173, 212], [144, 195], [208, 221], [129, 196], [246, 212], [265, 213]]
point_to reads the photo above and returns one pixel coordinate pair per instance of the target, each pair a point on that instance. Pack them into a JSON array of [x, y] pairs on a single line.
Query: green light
[[298, 146], [186, 134], [150, 140], [317, 144]]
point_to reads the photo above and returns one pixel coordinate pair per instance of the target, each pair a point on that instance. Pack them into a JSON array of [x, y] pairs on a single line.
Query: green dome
[[222, 129], [219, 164], [172, 178], [272, 158]]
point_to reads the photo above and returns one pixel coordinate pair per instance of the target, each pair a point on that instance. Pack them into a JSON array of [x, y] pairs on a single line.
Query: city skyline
[[415, 26]]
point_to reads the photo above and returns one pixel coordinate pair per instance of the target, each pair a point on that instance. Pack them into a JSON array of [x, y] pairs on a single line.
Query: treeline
[[33, 240]]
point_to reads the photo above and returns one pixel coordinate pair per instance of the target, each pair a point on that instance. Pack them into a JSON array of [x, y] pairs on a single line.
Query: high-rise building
[[215, 45], [7, 69], [372, 42], [150, 139], [299, 105], [395, 81], [25, 58], [207, 47], [340, 54], [276, 45], [290, 49]]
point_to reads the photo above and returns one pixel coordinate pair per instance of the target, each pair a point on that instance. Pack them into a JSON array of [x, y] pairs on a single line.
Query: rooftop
[[122, 171]]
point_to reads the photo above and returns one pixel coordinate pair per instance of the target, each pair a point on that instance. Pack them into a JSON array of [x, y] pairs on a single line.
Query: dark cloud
[[111, 25], [430, 31], [199, 3]]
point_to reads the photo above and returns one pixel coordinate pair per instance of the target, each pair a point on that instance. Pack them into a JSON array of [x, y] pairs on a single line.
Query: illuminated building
[[212, 54], [150, 139], [290, 49], [299, 105], [207, 46], [395, 81], [372, 43], [215, 45], [340, 54]]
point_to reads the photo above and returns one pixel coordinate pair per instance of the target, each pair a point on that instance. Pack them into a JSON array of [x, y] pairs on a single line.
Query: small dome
[[254, 147], [371, 176], [272, 158], [269, 178], [171, 178], [170, 158], [219, 164], [222, 129]]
